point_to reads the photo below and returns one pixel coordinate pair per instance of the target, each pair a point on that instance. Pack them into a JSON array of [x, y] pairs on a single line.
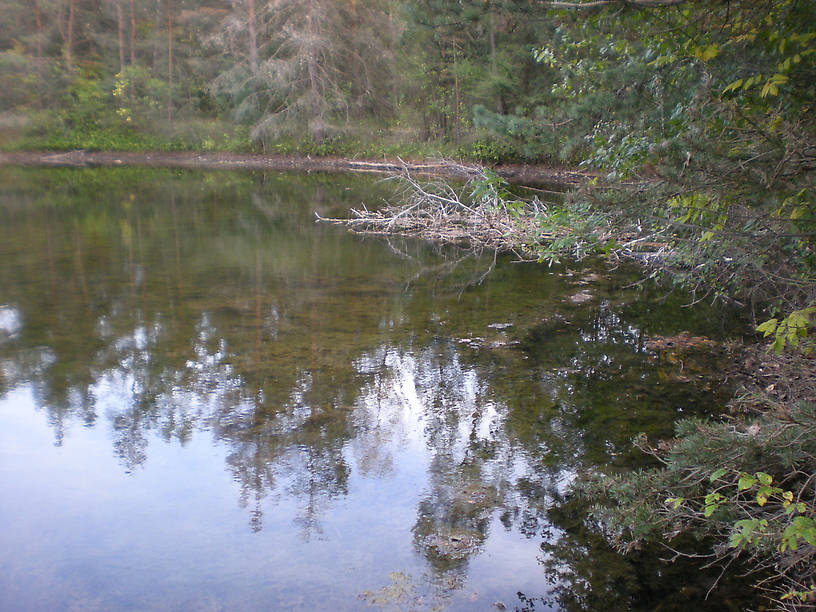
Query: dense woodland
[[182, 73], [622, 85], [697, 118]]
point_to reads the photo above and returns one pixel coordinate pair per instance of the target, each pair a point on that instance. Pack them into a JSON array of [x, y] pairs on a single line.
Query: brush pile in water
[[488, 217]]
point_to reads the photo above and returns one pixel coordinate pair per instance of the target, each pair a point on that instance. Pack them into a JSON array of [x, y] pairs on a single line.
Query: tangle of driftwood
[[435, 211]]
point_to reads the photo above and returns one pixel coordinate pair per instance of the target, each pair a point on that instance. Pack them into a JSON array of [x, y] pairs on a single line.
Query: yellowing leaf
[[710, 52], [768, 327], [734, 86], [768, 89]]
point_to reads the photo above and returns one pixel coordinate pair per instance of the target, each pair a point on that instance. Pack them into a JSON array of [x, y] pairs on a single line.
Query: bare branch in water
[[435, 211]]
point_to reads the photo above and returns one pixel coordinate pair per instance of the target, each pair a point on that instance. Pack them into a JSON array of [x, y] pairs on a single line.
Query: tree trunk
[[120, 23], [170, 63], [494, 69], [156, 38], [315, 85], [359, 85], [456, 134], [394, 81], [253, 46], [68, 43], [132, 33], [492, 26], [38, 14]]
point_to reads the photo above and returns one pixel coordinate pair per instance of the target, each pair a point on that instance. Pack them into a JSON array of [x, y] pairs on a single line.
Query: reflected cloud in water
[[338, 379]]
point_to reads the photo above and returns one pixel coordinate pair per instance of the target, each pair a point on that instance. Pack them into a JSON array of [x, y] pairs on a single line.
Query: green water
[[210, 402]]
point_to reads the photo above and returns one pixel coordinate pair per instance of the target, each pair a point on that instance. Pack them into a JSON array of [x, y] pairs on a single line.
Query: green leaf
[[746, 481], [797, 507], [718, 474], [801, 528], [807, 528], [765, 479], [712, 502], [768, 327], [675, 501], [744, 531]]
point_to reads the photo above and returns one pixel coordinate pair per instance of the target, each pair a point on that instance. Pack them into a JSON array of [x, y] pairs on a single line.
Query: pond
[[210, 402]]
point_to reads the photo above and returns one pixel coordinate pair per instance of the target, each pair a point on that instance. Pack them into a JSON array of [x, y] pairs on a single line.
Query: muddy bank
[[532, 175]]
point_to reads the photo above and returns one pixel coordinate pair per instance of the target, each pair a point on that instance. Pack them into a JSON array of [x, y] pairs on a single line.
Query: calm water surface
[[208, 402]]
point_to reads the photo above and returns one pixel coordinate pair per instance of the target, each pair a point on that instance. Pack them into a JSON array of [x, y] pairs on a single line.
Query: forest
[[694, 123]]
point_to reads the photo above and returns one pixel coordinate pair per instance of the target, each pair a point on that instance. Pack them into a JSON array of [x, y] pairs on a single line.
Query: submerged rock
[[454, 543], [580, 297], [681, 341]]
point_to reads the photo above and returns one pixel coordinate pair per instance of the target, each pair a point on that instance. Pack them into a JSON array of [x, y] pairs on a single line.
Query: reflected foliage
[[163, 305]]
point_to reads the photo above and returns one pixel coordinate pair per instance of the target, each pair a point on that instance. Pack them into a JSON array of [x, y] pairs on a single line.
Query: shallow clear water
[[209, 402]]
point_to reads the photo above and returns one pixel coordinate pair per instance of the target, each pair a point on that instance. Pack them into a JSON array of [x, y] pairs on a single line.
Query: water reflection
[[160, 307]]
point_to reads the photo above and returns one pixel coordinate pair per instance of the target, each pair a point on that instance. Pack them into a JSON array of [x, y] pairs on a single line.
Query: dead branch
[[435, 211]]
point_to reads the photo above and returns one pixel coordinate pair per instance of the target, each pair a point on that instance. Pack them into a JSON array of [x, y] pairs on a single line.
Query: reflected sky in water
[[208, 402]]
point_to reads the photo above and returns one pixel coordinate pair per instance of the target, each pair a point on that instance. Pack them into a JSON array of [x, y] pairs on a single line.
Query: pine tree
[[318, 61]]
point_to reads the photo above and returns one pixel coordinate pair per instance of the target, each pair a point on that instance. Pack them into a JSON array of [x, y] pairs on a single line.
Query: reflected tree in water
[[310, 355]]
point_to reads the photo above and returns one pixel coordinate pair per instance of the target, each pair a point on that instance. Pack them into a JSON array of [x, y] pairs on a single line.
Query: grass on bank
[[67, 131]]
